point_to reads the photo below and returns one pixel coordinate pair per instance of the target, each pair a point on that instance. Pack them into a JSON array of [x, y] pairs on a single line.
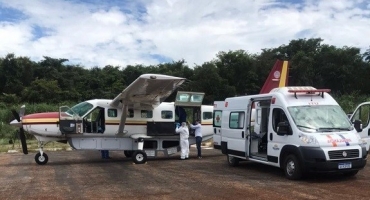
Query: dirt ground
[[84, 175]]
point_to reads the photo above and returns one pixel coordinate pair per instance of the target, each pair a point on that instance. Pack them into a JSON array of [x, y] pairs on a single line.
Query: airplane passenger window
[[183, 97], [196, 98], [130, 113], [166, 114], [207, 115], [146, 114], [112, 112]]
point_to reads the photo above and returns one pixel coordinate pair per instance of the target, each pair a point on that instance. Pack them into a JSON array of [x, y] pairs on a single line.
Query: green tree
[[42, 90]]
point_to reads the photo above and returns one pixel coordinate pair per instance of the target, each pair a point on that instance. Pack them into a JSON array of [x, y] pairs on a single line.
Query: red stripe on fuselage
[[42, 115]]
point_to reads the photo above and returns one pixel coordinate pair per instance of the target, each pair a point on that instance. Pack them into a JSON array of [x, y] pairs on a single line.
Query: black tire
[[351, 173], [41, 160], [292, 167], [139, 157], [232, 161], [128, 154]]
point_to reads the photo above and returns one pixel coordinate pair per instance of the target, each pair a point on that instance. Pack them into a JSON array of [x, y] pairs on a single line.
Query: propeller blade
[[23, 141], [16, 115]]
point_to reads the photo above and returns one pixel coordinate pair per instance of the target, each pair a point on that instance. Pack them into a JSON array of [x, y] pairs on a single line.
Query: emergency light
[[308, 91]]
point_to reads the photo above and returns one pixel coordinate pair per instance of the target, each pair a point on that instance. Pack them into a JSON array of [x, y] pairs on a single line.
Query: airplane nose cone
[[16, 123]]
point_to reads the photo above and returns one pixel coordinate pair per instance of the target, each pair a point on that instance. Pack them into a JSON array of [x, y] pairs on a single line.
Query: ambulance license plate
[[344, 165]]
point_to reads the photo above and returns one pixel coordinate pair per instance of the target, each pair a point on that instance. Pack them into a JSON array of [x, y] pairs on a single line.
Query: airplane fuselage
[[47, 127]]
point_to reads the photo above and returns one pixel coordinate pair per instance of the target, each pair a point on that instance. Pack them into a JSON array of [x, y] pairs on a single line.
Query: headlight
[[308, 139], [361, 141]]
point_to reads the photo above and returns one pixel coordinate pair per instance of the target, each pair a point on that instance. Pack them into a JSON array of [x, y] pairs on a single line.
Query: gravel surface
[[84, 175]]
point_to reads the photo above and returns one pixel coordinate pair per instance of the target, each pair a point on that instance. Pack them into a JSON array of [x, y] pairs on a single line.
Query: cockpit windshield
[[320, 118], [81, 109]]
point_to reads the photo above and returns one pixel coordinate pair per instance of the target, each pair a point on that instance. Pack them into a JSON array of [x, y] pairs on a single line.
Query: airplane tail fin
[[278, 76]]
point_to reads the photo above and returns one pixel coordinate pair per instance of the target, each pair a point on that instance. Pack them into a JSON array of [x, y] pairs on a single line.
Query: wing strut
[[123, 119]]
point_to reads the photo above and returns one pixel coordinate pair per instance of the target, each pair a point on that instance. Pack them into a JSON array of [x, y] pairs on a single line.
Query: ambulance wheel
[[232, 161], [292, 167], [351, 173], [41, 160], [128, 154], [139, 157]]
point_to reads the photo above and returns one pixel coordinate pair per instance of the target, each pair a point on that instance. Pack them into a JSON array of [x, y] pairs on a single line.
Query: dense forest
[[50, 82]]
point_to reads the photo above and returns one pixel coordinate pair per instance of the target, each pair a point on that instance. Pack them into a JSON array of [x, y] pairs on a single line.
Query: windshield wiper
[[306, 127], [333, 129]]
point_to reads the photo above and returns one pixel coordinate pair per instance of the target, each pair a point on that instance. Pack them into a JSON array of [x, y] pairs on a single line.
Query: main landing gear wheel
[[128, 154], [41, 160], [139, 157]]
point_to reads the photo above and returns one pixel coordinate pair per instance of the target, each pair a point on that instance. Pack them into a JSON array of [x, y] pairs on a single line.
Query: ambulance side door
[[276, 142], [233, 130], [217, 134], [362, 113]]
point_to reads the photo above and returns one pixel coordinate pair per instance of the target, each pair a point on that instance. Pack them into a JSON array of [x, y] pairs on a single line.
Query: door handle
[[242, 134], [271, 136]]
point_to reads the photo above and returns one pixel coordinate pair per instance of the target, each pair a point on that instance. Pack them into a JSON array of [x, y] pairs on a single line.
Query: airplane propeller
[[22, 136]]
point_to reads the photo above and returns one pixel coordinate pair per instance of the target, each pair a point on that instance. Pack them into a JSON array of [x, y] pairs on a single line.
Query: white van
[[299, 129]]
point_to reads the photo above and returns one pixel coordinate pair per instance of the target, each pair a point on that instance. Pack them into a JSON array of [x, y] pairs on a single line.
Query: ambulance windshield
[[320, 118]]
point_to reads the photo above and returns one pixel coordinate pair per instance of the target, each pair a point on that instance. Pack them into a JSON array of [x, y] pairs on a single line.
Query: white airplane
[[137, 121]]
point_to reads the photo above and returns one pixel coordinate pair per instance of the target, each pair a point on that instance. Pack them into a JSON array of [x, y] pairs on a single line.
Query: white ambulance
[[299, 129]]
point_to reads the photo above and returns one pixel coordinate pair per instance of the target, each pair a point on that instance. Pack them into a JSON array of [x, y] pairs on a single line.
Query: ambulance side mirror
[[358, 125], [283, 129]]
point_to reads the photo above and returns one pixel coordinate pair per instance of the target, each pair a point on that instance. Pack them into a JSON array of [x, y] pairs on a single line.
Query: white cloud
[[98, 35]]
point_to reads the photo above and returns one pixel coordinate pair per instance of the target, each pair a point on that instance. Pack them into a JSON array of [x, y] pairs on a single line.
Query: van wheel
[[232, 161], [292, 167], [351, 173]]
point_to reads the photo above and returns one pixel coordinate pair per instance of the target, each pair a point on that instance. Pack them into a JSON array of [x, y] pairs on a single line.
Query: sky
[[94, 33]]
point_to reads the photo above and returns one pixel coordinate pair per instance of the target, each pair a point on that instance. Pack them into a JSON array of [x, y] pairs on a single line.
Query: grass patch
[[32, 145]]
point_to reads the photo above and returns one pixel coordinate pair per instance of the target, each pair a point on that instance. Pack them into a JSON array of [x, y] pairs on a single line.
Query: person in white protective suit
[[183, 130]]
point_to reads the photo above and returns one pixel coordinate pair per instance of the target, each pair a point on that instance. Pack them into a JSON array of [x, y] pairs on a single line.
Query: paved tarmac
[[84, 175]]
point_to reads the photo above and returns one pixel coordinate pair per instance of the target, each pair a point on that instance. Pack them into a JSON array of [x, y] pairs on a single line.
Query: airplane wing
[[147, 91]]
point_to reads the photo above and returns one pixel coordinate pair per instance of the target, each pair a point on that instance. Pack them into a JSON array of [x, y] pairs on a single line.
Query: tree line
[[345, 70], [47, 84]]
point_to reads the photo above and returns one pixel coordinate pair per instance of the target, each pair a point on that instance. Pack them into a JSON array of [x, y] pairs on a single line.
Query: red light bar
[[309, 91]]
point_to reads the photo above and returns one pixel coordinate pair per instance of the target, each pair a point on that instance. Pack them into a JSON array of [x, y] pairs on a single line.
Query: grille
[[350, 153]]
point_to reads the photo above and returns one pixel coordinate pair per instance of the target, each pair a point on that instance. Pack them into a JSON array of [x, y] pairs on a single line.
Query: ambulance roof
[[305, 95]]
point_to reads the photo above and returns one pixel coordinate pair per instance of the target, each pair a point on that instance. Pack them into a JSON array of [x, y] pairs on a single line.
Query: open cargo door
[[189, 99]]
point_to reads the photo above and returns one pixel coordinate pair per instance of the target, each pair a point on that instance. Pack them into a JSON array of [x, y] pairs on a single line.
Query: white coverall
[[184, 142]]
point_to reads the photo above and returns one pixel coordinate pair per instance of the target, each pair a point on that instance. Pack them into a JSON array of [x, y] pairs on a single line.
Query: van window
[[217, 118], [236, 120], [166, 114], [112, 112], [130, 113], [278, 115], [146, 114], [363, 114], [207, 115]]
